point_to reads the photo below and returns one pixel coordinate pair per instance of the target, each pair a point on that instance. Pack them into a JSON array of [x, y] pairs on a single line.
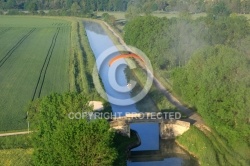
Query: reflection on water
[[149, 135], [152, 151], [94, 27], [169, 153]]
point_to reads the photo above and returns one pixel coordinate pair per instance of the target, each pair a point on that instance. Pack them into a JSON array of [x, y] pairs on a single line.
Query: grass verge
[[211, 149]]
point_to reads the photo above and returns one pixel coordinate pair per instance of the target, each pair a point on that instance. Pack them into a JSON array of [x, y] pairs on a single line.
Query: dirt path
[[194, 118], [14, 133]]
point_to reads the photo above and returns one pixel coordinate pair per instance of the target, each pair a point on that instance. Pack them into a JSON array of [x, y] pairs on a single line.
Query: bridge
[[169, 128]]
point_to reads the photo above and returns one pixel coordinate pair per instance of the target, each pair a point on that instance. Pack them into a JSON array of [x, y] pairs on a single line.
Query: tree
[[60, 140], [69, 3], [11, 4], [32, 7], [219, 10], [162, 4], [226, 30], [132, 12], [109, 18], [235, 6], [221, 94], [245, 6], [147, 8], [75, 8]]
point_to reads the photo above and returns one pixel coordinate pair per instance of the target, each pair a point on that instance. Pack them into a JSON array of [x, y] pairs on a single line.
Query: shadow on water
[[169, 153], [94, 27]]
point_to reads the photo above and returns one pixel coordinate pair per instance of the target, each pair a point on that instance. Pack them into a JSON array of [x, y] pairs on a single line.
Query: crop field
[[10, 157], [34, 62]]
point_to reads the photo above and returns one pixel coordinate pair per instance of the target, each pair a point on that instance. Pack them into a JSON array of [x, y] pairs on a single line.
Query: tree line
[[171, 42], [147, 6], [207, 60]]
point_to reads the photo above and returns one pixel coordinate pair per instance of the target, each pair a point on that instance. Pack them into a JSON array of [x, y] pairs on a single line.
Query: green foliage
[[145, 6], [169, 43], [75, 8], [219, 10], [226, 30], [105, 16], [221, 94], [11, 4], [109, 18], [18, 141], [32, 6], [59, 140], [42, 13], [212, 78], [82, 61], [132, 12], [197, 142], [14, 12]]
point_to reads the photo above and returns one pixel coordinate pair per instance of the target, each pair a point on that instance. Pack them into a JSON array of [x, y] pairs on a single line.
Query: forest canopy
[[216, 81], [147, 6], [207, 62]]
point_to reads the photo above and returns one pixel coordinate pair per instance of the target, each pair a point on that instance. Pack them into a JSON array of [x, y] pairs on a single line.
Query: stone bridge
[[169, 128]]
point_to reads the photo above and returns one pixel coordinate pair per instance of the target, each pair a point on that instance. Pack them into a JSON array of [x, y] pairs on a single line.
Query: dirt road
[[14, 133]]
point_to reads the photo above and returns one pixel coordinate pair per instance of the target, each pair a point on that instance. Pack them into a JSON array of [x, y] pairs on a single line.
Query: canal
[[153, 150]]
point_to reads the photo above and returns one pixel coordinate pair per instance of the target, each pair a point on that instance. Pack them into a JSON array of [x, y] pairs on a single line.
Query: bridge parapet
[[169, 129], [172, 129], [120, 125]]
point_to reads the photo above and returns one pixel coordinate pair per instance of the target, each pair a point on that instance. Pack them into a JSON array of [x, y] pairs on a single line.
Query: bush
[[13, 12], [42, 13]]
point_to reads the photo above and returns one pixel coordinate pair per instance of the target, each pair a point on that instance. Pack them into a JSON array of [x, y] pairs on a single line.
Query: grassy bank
[[211, 149], [82, 61]]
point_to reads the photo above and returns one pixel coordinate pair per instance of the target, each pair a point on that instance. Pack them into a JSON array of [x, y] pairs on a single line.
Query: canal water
[[152, 150]]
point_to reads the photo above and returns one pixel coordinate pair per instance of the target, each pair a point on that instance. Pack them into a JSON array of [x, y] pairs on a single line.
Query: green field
[[34, 62]]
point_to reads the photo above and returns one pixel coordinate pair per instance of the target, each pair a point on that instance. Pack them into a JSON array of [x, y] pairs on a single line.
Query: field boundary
[[10, 52]]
